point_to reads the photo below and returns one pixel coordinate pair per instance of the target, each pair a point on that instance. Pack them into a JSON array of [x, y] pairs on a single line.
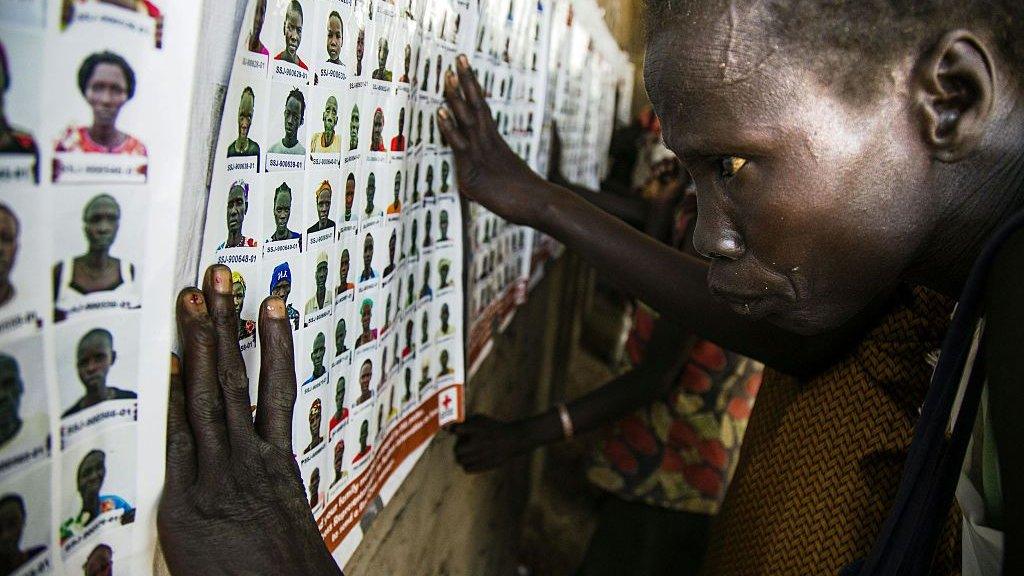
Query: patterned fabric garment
[[678, 452], [822, 458]]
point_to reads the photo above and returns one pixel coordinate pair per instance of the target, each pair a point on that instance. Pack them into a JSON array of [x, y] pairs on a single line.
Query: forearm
[[617, 398], [675, 284], [633, 211]]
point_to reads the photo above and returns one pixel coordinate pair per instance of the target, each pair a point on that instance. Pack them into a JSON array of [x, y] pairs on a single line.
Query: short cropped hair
[[88, 68], [298, 95], [837, 38]]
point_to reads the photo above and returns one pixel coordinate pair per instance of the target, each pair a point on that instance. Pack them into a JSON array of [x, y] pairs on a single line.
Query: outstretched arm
[[673, 283], [484, 443], [634, 211]]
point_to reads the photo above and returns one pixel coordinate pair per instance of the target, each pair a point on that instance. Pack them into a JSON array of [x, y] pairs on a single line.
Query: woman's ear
[[954, 85]]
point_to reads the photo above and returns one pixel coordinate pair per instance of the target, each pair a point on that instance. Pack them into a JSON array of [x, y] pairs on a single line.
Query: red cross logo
[[447, 402]]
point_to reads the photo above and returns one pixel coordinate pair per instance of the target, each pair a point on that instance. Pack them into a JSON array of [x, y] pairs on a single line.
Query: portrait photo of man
[[283, 213], [364, 441], [252, 39], [339, 461], [406, 60], [387, 325], [424, 328], [442, 225], [321, 296], [94, 356], [369, 333], [443, 269], [415, 183], [340, 336], [381, 72], [425, 290], [14, 140], [410, 345], [350, 195], [445, 169], [446, 328], [107, 82], [371, 191], [12, 389], [314, 488], [292, 30], [340, 411], [425, 378], [392, 246], [327, 142], [13, 516], [335, 37], [92, 471], [294, 116], [419, 127], [426, 75], [242, 145], [322, 196], [343, 269], [398, 141], [315, 438], [365, 374], [10, 232], [414, 232], [445, 369], [353, 129], [237, 206], [396, 205], [368, 272], [281, 286], [376, 135], [429, 179], [246, 327], [428, 236], [99, 562], [360, 40], [410, 293]]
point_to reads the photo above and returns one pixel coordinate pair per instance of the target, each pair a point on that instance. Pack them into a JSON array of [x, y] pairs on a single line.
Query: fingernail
[[195, 303], [275, 308], [463, 61], [442, 113], [175, 365], [221, 279]]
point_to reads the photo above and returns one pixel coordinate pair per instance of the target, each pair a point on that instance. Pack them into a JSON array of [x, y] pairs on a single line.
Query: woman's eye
[[730, 165]]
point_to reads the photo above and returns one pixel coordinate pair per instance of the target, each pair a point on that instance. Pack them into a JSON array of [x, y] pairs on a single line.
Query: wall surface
[[443, 521]]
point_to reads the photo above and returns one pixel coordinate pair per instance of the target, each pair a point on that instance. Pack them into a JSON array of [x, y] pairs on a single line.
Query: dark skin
[[788, 176], [673, 283], [233, 500]]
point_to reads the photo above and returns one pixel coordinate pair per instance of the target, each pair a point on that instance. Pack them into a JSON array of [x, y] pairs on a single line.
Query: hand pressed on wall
[[488, 171], [233, 501], [483, 443]]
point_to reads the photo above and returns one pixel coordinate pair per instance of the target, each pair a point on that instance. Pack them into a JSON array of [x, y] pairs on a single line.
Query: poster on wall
[[88, 180], [332, 188], [509, 60]]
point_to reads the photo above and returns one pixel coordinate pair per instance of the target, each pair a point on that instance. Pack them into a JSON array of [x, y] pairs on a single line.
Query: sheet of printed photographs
[[85, 172], [328, 101], [584, 70]]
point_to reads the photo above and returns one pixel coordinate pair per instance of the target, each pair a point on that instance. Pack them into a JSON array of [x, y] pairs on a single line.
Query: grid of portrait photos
[[75, 147], [332, 189], [509, 57]]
